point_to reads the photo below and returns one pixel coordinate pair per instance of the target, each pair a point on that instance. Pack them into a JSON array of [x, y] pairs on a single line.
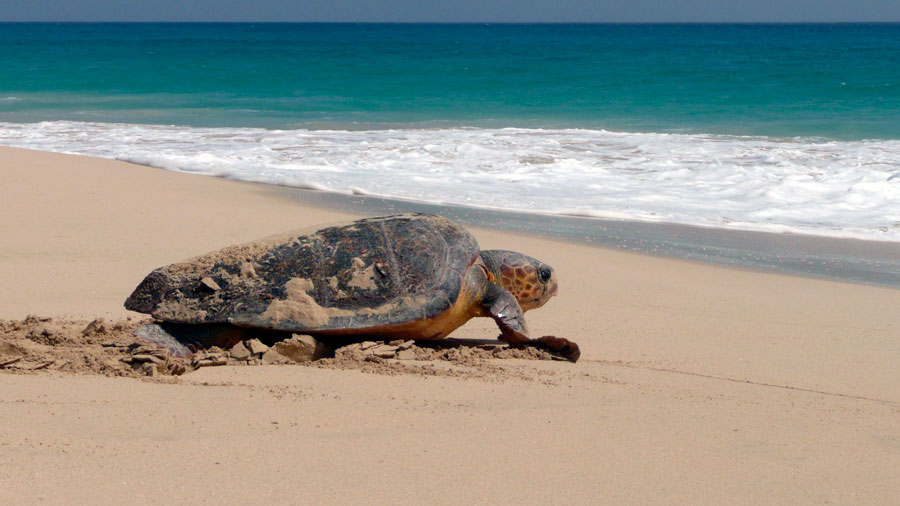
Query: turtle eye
[[544, 273]]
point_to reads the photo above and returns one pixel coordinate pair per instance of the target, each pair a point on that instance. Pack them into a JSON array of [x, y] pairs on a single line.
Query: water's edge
[[873, 263]]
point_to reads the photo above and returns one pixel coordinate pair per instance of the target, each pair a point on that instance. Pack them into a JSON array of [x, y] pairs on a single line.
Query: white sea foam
[[845, 189]]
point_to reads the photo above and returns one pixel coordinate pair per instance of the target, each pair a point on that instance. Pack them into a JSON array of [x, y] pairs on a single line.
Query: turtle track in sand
[[111, 348]]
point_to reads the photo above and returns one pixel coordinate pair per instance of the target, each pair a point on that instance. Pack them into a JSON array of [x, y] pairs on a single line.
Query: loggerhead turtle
[[412, 276]]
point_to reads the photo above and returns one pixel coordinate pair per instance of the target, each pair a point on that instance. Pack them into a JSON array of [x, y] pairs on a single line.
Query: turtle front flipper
[[504, 309]]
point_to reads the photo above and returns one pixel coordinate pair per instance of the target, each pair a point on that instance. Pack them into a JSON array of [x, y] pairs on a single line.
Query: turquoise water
[[776, 128], [832, 81]]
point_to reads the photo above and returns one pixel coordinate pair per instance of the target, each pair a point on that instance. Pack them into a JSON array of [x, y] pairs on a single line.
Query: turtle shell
[[368, 274]]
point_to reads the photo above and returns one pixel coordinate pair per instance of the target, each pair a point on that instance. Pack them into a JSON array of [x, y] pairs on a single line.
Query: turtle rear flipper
[[181, 339], [156, 335]]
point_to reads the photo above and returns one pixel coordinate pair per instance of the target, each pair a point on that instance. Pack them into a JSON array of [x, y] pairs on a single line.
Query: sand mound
[[81, 347], [111, 348]]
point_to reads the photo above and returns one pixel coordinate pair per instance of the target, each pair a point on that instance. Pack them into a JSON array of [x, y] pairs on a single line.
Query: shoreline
[[868, 262], [842, 260], [845, 259]]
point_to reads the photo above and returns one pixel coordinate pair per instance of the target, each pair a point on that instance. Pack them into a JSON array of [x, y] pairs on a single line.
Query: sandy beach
[[698, 384]]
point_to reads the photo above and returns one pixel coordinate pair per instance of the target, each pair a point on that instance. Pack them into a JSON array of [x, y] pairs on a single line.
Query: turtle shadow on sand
[[412, 277]]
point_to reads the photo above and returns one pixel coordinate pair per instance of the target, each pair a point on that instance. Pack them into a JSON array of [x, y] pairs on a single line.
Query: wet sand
[[698, 384]]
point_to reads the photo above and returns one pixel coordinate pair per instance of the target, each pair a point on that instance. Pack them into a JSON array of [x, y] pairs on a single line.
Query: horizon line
[[460, 22]]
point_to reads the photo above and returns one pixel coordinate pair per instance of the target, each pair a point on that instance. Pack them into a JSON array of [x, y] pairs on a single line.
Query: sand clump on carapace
[[114, 348]]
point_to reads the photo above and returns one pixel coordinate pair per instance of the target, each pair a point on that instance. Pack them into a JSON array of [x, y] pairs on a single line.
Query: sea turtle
[[410, 276]]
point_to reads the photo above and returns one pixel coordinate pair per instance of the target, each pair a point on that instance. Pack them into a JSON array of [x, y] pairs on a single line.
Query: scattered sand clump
[[80, 347], [111, 348]]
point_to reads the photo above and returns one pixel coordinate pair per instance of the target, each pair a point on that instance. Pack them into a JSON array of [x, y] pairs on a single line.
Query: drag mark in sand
[[744, 381]]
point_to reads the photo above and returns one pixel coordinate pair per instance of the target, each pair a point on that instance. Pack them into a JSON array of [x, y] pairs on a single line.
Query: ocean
[[777, 128]]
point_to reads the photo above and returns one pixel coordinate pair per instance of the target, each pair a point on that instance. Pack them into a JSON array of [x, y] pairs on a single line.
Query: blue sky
[[453, 10]]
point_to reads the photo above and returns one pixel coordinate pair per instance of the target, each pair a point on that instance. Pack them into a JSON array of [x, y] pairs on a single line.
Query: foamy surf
[[797, 185]]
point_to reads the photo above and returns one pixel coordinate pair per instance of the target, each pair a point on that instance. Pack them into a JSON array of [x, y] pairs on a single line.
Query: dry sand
[[697, 384]]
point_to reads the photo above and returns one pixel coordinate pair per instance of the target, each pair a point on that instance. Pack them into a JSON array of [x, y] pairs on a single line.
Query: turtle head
[[531, 281]]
